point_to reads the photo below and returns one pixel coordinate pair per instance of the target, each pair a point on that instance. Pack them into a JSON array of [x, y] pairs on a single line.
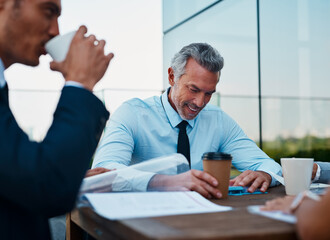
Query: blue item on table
[[239, 190]]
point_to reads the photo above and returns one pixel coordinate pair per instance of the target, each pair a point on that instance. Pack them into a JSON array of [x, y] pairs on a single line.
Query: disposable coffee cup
[[297, 173], [58, 46], [218, 165]]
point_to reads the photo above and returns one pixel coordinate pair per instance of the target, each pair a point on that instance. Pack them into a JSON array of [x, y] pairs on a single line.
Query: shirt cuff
[[73, 84]]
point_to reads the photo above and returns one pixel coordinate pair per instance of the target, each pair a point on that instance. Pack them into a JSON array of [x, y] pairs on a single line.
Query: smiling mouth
[[193, 109]]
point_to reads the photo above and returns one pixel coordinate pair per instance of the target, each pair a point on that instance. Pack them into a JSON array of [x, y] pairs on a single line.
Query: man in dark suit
[[41, 180]]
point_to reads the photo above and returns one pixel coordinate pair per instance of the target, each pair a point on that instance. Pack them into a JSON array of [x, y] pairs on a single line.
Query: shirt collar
[[2, 76], [171, 114]]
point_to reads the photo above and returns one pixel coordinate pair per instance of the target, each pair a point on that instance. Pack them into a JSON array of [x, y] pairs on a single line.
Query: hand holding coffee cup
[[84, 59], [297, 174], [58, 46], [218, 165]]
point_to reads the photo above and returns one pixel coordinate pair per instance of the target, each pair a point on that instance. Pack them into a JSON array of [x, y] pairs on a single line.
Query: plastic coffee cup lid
[[217, 156]]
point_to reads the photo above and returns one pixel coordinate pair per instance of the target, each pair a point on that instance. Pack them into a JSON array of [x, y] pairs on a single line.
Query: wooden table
[[236, 224]]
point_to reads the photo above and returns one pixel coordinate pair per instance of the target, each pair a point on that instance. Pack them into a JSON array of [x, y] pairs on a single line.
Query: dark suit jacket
[[41, 180]]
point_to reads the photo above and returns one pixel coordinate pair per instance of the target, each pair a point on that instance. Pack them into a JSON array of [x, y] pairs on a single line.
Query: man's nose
[[200, 100], [54, 29]]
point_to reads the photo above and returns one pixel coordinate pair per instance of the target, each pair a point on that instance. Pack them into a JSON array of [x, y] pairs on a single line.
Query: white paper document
[[150, 204], [278, 215]]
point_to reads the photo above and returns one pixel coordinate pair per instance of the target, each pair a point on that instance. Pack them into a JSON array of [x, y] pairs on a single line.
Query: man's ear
[[170, 75]]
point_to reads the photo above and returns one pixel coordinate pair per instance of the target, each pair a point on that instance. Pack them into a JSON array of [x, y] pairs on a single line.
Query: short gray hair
[[203, 53]]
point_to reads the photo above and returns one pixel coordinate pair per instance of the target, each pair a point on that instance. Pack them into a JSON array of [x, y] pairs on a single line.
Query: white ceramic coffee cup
[[297, 173], [58, 46]]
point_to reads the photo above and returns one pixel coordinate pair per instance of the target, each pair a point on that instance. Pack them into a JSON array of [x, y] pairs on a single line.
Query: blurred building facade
[[275, 82]]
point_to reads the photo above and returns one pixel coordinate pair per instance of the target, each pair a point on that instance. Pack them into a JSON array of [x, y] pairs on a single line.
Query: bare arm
[[313, 219], [96, 171], [313, 216]]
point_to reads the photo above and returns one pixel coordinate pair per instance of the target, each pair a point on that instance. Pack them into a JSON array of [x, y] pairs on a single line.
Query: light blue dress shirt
[[143, 129], [2, 76]]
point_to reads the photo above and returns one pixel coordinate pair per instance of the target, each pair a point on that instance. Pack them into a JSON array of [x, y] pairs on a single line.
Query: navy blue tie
[[183, 140], [4, 93]]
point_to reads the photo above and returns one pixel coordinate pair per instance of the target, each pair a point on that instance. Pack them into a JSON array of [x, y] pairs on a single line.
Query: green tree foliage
[[307, 147]]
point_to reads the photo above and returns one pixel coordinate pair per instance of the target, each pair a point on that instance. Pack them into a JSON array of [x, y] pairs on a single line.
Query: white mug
[[58, 46], [297, 173]]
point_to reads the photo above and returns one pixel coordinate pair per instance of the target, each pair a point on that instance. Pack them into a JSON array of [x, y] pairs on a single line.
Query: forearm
[[78, 124], [158, 182], [117, 145], [260, 162], [247, 155], [313, 219]]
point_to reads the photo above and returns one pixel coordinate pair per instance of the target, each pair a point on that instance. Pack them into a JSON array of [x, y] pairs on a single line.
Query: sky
[[133, 32]]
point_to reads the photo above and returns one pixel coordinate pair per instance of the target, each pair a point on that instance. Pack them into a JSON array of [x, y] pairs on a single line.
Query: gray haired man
[[143, 129]]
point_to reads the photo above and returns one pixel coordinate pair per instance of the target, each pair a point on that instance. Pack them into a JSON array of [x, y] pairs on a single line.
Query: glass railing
[[290, 127], [33, 109]]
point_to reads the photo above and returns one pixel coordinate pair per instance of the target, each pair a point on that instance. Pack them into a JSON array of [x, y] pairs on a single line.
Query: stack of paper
[[150, 204]]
